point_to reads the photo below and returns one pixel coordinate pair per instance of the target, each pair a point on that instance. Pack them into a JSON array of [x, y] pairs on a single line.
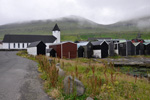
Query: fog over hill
[[74, 25], [137, 24], [63, 20], [68, 25]]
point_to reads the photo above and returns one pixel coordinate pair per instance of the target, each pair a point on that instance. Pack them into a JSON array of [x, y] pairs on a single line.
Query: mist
[[99, 11], [143, 24]]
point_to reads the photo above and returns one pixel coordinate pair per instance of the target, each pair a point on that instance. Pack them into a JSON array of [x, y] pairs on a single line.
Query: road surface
[[19, 78]]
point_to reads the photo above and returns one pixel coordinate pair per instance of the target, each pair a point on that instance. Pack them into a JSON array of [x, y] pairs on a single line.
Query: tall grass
[[49, 69], [102, 80]]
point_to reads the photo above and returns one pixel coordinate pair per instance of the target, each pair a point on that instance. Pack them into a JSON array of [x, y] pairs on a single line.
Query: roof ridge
[[33, 44]]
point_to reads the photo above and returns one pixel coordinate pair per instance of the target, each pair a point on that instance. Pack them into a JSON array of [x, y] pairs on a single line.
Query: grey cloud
[[100, 11]]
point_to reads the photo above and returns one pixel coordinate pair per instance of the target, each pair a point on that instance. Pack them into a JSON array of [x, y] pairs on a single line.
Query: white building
[[22, 41], [36, 48]]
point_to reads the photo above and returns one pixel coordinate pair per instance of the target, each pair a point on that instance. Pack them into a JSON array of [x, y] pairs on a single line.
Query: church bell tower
[[56, 33]]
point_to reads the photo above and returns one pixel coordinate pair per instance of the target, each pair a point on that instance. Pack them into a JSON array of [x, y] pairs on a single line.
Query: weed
[[54, 93], [102, 80]]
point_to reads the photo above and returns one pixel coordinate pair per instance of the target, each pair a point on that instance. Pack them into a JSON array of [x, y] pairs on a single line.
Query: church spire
[[56, 28]]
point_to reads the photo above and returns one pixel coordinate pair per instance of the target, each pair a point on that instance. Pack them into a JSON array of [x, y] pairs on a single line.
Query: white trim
[[136, 44], [103, 42]]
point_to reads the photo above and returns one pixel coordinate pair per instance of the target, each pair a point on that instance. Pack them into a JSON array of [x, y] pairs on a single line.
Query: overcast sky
[[99, 11]]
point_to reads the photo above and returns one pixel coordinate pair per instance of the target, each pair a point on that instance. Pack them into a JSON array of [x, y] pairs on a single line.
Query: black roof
[[94, 39], [34, 44], [56, 28], [29, 38], [96, 42]]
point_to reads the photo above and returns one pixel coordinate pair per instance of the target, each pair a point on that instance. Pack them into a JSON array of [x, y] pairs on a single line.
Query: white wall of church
[[1, 46], [5, 46], [11, 45], [21, 46], [15, 45], [25, 45]]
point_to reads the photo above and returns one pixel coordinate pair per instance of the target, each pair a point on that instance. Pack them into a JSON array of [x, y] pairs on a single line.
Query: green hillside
[[78, 28]]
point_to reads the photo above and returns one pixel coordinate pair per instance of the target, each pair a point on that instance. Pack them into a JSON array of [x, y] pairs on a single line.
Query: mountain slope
[[79, 27], [68, 25], [137, 24]]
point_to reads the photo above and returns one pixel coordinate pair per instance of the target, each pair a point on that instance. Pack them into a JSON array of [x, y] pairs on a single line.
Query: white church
[[23, 41]]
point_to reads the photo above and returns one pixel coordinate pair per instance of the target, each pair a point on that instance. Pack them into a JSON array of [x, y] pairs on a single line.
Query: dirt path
[[19, 78]]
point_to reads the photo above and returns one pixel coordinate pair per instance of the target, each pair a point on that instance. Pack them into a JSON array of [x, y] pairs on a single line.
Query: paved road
[[19, 78]]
